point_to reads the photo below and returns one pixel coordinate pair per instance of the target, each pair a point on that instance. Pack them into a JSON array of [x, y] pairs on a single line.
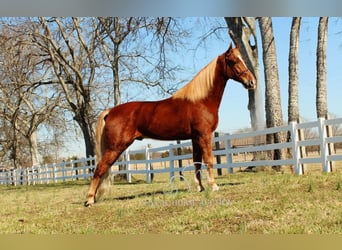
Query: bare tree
[[70, 51], [133, 62], [25, 107]]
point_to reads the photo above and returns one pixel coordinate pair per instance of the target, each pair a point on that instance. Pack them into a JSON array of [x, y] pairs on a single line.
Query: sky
[[233, 112]]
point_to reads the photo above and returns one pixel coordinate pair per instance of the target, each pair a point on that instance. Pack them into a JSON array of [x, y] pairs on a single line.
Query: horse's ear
[[230, 46]]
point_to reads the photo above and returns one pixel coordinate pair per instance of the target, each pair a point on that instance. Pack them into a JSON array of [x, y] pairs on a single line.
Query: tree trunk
[[293, 104], [117, 93], [293, 110], [321, 64], [34, 148], [321, 81], [274, 115], [88, 133]]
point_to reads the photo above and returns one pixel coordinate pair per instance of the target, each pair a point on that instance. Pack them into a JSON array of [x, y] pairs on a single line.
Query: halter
[[232, 66]]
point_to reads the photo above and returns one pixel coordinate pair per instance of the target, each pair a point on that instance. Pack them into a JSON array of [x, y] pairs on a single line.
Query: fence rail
[[226, 157]]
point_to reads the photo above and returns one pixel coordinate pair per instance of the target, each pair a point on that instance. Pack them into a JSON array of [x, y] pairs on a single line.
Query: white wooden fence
[[83, 169]]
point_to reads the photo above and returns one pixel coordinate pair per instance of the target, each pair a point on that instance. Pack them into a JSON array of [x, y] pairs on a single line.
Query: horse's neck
[[216, 93]]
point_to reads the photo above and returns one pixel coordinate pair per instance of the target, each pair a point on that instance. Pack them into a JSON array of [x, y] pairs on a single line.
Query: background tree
[[274, 115], [26, 107], [321, 66], [137, 49], [70, 51], [293, 107], [321, 79]]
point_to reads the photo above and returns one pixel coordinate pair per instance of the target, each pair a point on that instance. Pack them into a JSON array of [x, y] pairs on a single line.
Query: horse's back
[[167, 119]]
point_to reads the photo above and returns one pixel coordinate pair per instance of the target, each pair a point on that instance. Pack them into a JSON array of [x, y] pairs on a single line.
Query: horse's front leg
[[211, 177], [197, 158], [206, 145]]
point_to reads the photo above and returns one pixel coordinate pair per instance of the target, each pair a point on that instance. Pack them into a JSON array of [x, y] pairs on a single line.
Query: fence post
[[148, 165], [21, 176], [128, 166], [72, 169], [76, 170], [38, 169], [63, 165], [54, 172], [31, 181], [27, 176], [14, 177], [218, 157], [295, 149], [47, 174], [85, 168], [34, 174], [180, 162], [326, 165], [171, 162], [330, 146], [229, 157]]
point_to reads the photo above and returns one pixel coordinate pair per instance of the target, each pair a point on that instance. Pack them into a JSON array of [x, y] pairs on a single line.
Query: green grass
[[262, 202]]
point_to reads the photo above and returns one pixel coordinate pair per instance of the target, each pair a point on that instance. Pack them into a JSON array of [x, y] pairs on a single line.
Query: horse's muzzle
[[250, 84]]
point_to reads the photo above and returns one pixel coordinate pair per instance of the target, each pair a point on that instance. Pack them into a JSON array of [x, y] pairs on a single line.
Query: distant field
[[262, 202]]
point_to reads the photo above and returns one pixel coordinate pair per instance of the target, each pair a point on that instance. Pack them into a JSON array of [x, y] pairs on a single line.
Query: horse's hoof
[[215, 187], [88, 204], [200, 189]]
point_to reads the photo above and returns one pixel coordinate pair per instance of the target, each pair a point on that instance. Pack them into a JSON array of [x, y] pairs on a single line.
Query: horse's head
[[237, 68]]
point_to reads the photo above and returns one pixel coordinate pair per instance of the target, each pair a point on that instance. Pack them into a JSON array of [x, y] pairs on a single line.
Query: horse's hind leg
[[108, 158]]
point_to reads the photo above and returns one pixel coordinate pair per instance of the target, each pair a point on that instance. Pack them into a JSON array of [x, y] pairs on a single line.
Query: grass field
[[263, 202]]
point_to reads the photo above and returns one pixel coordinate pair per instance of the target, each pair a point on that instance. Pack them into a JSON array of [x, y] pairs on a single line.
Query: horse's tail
[[99, 147]]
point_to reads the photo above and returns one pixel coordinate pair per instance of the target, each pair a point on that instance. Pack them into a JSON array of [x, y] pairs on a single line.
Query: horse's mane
[[199, 87]]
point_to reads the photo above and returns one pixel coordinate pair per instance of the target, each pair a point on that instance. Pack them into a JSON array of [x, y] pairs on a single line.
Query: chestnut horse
[[190, 113]]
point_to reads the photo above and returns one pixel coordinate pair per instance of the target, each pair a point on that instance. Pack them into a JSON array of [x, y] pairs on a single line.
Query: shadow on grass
[[147, 194], [230, 184], [38, 186], [160, 192]]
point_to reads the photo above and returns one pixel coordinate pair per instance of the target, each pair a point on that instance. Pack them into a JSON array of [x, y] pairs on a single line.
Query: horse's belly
[[165, 120], [167, 133], [167, 130]]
